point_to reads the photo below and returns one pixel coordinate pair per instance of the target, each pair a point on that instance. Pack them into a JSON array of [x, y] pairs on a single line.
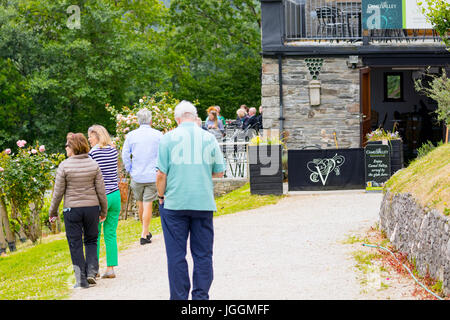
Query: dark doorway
[[396, 106]]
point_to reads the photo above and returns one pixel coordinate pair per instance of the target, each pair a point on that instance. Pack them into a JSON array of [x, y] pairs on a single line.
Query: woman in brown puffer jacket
[[80, 181]]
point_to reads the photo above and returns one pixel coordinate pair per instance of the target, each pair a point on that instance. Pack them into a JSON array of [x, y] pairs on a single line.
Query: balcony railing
[[339, 20]]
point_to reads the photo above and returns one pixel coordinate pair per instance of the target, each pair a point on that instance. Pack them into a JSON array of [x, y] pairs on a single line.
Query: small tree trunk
[[58, 224], [33, 230], [3, 243], [124, 195], [5, 221], [22, 234]]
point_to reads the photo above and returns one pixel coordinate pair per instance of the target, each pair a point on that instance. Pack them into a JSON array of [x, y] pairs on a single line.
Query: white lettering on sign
[[321, 168]]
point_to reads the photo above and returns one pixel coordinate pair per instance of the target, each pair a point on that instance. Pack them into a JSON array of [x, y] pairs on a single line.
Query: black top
[[250, 122]]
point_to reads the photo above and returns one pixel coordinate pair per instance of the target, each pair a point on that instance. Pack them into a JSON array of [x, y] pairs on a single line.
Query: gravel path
[[291, 250]]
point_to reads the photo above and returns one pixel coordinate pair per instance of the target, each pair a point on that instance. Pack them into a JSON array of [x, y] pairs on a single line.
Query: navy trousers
[[177, 225]]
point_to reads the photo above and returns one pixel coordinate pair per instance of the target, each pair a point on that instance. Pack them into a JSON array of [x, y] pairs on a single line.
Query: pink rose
[[8, 151], [126, 129], [1, 169], [42, 148], [21, 143], [33, 151]]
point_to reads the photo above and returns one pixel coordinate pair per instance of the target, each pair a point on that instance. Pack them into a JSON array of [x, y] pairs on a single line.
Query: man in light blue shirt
[[188, 158], [139, 155]]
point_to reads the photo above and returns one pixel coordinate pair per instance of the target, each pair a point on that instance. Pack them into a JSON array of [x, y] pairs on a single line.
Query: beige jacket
[[80, 181]]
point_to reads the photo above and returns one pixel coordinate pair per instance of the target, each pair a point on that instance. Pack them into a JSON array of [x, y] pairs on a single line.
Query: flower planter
[[396, 153], [265, 169]]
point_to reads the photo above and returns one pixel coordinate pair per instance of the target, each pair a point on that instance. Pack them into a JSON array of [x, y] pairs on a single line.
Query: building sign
[[321, 168], [382, 14], [328, 169], [393, 14], [413, 17], [378, 166]]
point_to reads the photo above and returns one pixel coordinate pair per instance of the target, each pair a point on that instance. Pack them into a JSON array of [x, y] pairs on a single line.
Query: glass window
[[393, 86]]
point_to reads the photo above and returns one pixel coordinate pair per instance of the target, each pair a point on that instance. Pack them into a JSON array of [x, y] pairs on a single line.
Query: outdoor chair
[[232, 125], [252, 131], [330, 22], [312, 146], [217, 133], [352, 22]]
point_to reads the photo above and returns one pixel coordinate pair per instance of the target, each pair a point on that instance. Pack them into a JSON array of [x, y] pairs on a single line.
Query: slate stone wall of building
[[424, 235], [338, 112]]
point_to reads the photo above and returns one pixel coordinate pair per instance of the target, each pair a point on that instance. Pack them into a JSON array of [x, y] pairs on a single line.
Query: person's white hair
[[144, 116], [252, 111], [185, 109], [241, 112]]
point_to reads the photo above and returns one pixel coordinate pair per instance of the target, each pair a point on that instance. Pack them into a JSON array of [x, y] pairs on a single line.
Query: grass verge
[[377, 265], [44, 271], [427, 179]]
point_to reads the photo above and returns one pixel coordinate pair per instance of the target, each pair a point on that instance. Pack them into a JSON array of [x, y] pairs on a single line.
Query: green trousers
[[110, 229]]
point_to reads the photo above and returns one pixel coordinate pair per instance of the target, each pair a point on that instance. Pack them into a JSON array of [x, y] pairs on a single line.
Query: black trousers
[[82, 226]]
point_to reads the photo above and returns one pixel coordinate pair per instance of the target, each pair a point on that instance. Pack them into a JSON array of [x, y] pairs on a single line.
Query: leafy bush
[[426, 148], [25, 176], [439, 91], [162, 106], [438, 13]]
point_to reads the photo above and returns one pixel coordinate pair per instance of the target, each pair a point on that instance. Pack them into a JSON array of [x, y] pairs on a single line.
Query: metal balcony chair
[[330, 22]]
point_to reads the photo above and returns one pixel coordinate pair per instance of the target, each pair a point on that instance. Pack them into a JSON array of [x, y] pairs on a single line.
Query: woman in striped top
[[106, 156]]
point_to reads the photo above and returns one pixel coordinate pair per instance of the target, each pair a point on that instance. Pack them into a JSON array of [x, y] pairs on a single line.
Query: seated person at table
[[221, 118], [252, 120], [241, 117], [213, 122], [200, 124], [259, 117]]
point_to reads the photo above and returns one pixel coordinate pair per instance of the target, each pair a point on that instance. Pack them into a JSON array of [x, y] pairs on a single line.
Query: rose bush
[[25, 176], [162, 106]]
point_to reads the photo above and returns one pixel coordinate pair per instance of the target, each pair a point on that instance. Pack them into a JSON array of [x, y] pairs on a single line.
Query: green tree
[[15, 104], [56, 79], [219, 41], [438, 13], [70, 74], [438, 88]]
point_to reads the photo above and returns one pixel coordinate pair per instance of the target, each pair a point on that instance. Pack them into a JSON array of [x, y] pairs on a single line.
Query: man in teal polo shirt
[[188, 158]]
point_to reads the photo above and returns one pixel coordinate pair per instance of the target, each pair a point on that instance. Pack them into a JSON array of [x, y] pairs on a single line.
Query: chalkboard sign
[[378, 166]]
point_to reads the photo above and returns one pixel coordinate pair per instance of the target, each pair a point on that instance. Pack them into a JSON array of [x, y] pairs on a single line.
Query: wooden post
[[335, 140], [446, 135], [128, 200]]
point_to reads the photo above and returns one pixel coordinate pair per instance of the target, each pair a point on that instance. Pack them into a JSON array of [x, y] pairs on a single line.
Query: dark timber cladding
[[273, 40], [349, 68]]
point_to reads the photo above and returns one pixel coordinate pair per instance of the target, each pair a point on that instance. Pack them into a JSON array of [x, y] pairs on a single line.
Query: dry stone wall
[[420, 233], [225, 185]]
